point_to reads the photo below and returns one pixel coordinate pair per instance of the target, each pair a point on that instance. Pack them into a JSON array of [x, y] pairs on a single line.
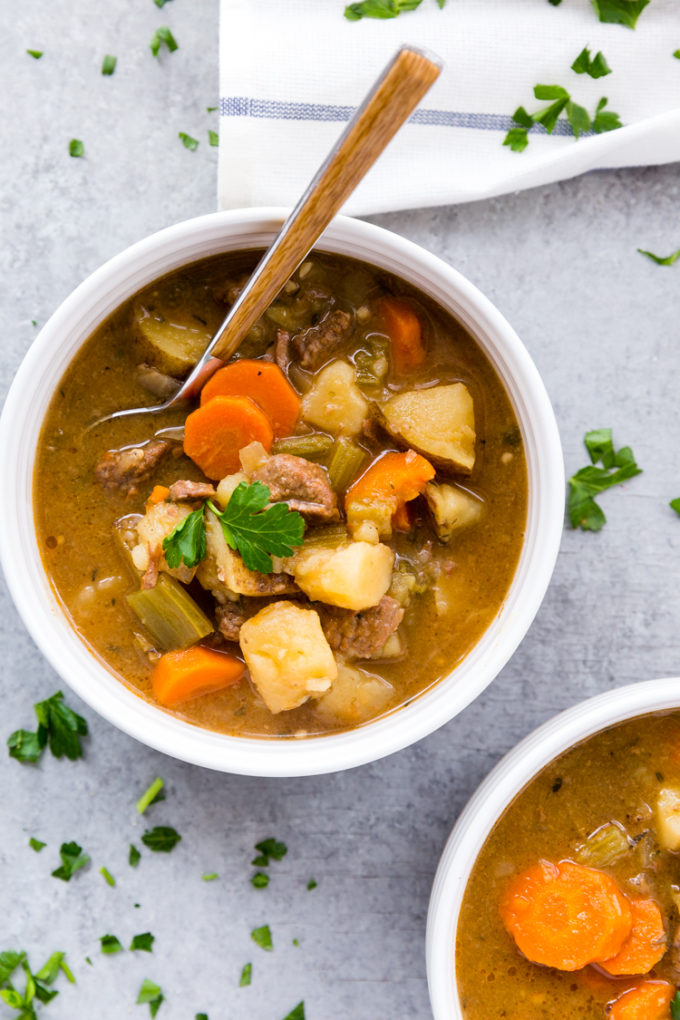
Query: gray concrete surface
[[602, 325]]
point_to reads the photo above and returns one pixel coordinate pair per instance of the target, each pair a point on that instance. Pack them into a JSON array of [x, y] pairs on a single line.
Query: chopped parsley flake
[[596, 67], [161, 839], [675, 505], [76, 148], [107, 876], [260, 880], [298, 1013], [201, 1016], [271, 848], [214, 138], [36, 54], [517, 138], [211, 109], [134, 856], [246, 975], [152, 994], [382, 8], [620, 12], [109, 64], [661, 260], [210, 877], [262, 937], [676, 54], [143, 942], [312, 884], [189, 143], [110, 944], [151, 796], [617, 466], [160, 3], [163, 36], [36, 844], [296, 942], [72, 860], [260, 861]]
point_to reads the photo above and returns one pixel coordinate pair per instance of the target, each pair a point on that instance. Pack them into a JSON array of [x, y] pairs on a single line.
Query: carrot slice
[[263, 382], [393, 478], [648, 1001], [192, 672], [406, 336], [566, 915], [159, 494], [645, 945], [215, 432]]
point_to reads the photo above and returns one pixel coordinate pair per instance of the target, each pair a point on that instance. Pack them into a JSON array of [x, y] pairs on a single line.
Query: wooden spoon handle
[[391, 101]]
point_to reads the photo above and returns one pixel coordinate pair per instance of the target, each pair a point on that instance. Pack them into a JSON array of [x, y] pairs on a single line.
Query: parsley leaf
[[186, 541], [262, 937], [201, 1016], [660, 260], [50, 969], [76, 148], [214, 138], [258, 533], [379, 8], [246, 975], [151, 993], [312, 884], [676, 54], [143, 942], [259, 880], [210, 877], [270, 847], [153, 794], [675, 1007], [134, 856], [605, 120], [619, 12], [72, 860], [36, 54], [617, 466], [161, 839], [109, 64], [36, 844], [161, 36], [9, 961], [187, 141], [60, 726], [110, 944], [107, 876], [578, 118], [596, 67], [298, 1013], [25, 746]]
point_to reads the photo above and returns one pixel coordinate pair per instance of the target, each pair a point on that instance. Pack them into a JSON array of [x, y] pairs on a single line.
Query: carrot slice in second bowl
[[263, 382], [215, 432]]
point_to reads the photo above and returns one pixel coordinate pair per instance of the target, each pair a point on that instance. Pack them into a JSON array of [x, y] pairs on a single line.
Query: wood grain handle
[[391, 101]]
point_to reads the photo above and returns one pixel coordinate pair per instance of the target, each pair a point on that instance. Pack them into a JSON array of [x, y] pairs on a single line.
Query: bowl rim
[[495, 793], [47, 622]]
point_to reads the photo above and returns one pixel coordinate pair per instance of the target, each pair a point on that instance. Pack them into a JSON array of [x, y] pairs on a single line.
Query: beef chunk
[[315, 345], [360, 635], [184, 489], [281, 349], [299, 483], [229, 290], [126, 469], [230, 619]]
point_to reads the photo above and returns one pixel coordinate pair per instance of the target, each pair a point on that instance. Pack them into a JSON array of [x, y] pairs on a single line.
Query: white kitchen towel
[[292, 72]]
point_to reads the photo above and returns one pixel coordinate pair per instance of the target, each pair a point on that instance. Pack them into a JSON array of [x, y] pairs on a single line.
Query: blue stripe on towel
[[280, 109]]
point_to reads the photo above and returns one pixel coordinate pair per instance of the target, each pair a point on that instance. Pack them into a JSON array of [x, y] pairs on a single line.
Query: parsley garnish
[[143, 942], [675, 1007], [312, 884], [258, 533], [620, 12], [296, 1014], [110, 944], [246, 975], [560, 100], [134, 856], [58, 725], [187, 141], [36, 54], [161, 36], [596, 67], [260, 880], [107, 876], [617, 466], [186, 541], [109, 64], [161, 839], [151, 993], [660, 260], [153, 794], [72, 860], [269, 847], [76, 148], [262, 937], [36, 844], [214, 138], [210, 877]]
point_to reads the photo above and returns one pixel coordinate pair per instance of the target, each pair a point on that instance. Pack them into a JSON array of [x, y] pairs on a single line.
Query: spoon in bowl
[[387, 106]]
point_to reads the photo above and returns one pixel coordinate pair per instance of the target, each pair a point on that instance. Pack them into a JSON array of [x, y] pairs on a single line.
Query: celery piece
[[170, 615], [347, 460], [603, 847], [326, 538], [315, 446]]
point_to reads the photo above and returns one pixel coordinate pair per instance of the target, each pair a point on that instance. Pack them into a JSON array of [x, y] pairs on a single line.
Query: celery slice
[[604, 847], [170, 615], [315, 446], [347, 460], [326, 538]]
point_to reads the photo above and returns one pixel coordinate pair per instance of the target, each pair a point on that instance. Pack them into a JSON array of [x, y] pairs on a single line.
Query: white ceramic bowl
[[27, 402], [495, 794]]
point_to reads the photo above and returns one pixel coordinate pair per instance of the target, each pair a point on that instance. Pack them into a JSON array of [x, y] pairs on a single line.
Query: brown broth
[[74, 517]]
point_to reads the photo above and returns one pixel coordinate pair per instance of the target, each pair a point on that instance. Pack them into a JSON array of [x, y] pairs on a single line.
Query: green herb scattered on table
[[298, 1013], [58, 725], [383, 8], [187, 141], [76, 148], [617, 466], [260, 880], [246, 975], [619, 12], [596, 67], [36, 844], [661, 260], [211, 109], [675, 505], [152, 795], [213, 138], [262, 937], [676, 54], [143, 942], [109, 64], [560, 100], [312, 884], [36, 54], [133, 856], [160, 3], [163, 37], [210, 877], [271, 847], [107, 876], [161, 839], [110, 944], [200, 1016], [72, 860], [37, 985], [151, 994]]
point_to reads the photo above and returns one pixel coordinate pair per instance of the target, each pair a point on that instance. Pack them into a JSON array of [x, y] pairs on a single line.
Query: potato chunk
[[156, 524], [438, 422], [288, 655], [668, 817], [335, 402], [353, 576], [173, 334], [452, 508], [355, 697], [232, 572]]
